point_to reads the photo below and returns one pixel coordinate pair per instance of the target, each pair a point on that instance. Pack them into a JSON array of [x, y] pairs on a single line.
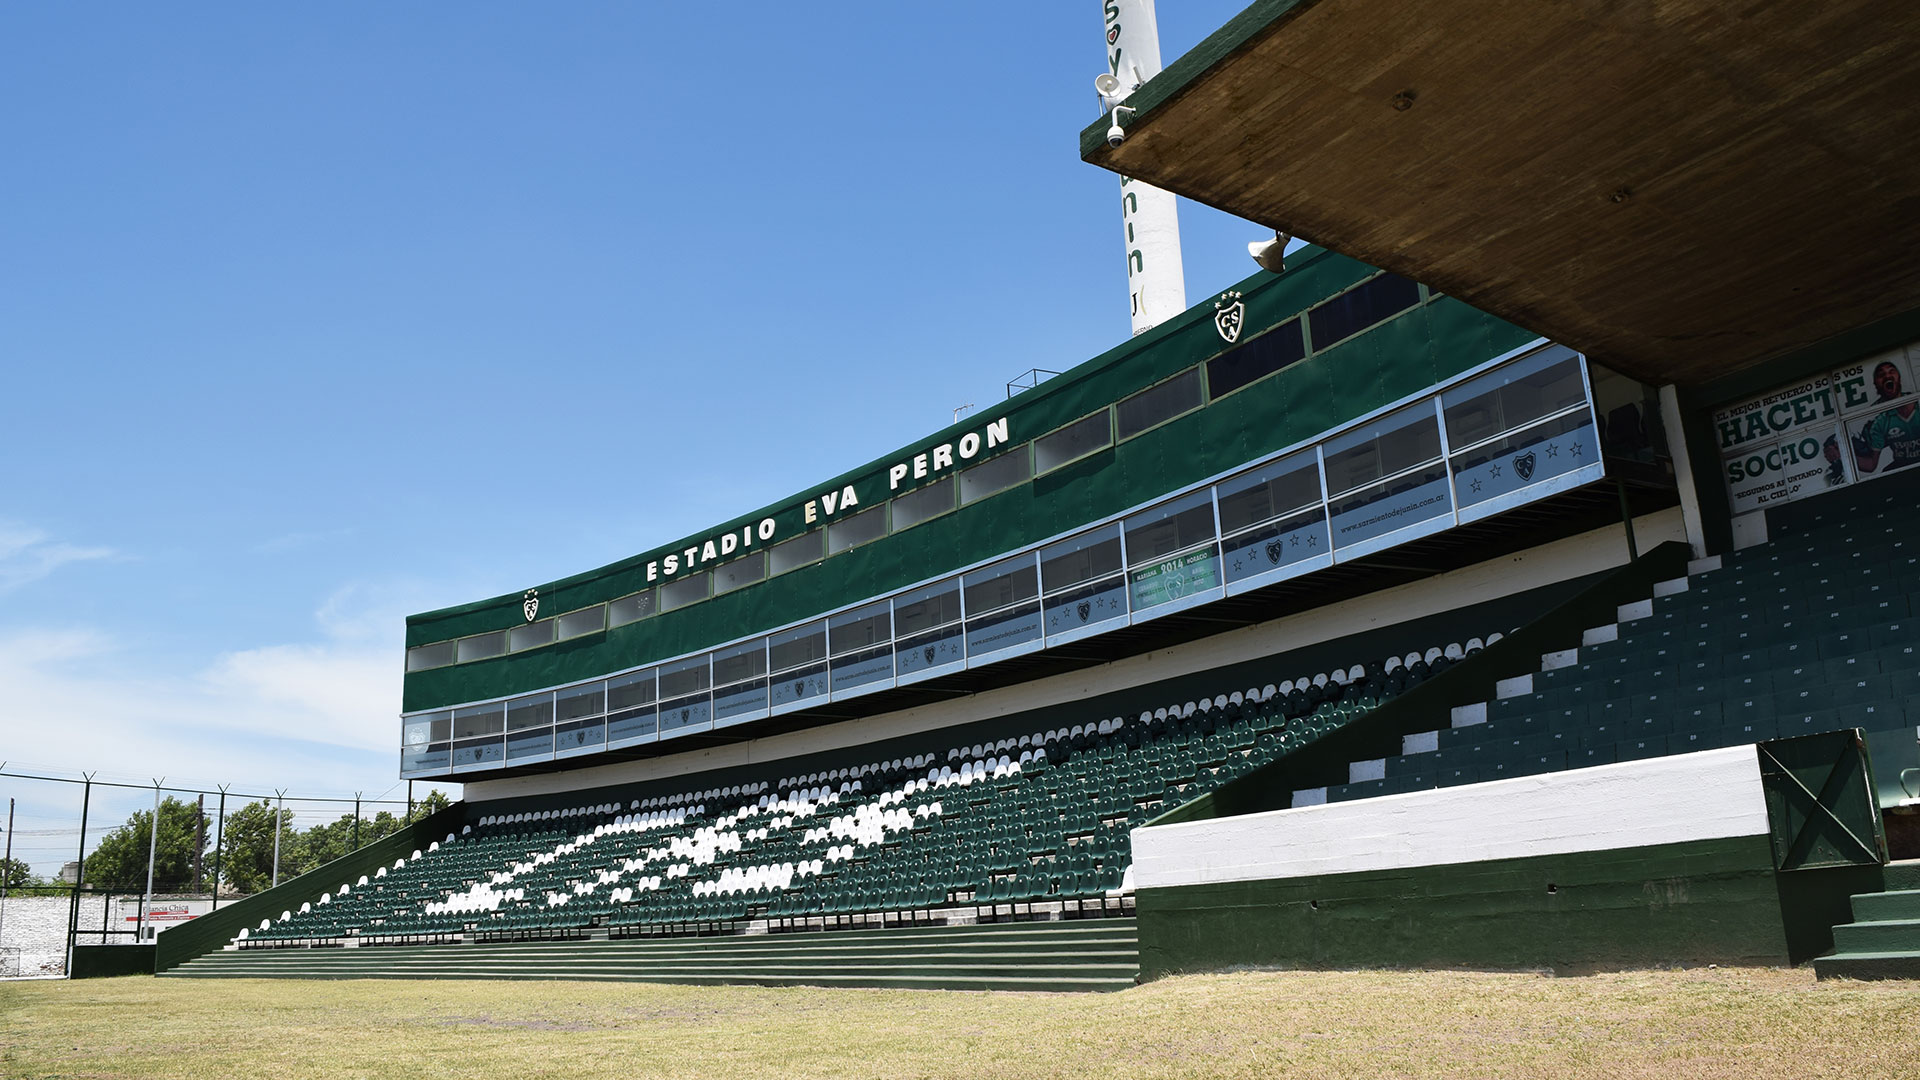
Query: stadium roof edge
[[1679, 194]]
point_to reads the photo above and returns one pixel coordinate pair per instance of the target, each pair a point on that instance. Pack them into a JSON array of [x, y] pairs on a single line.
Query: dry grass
[[1725, 1023]]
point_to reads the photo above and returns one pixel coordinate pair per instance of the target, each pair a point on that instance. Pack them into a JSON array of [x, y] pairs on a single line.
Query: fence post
[[278, 813], [356, 822], [219, 834], [79, 871]]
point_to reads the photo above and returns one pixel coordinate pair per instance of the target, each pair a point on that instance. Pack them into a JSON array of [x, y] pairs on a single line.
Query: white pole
[[153, 844], [1156, 279], [6, 868]]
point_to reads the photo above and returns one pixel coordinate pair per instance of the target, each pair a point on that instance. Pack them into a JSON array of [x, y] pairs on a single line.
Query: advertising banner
[[1856, 423], [1182, 575]]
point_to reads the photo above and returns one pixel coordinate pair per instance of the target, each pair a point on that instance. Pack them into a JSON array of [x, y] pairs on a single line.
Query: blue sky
[[310, 319]]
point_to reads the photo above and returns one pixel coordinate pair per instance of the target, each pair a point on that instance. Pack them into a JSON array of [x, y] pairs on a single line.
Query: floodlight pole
[[153, 845], [281, 793], [356, 821]]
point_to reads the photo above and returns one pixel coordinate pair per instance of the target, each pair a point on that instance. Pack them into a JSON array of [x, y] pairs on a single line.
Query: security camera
[[1115, 135], [1271, 254]]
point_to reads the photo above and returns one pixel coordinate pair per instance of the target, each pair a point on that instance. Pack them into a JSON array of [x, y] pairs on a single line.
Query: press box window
[[1388, 446], [1530, 389], [1158, 404], [861, 528], [1283, 346], [797, 552], [1170, 527], [530, 712], [532, 635], [994, 476], [483, 646], [1361, 307], [1282, 487], [740, 573], [923, 505], [1073, 442], [585, 621], [688, 590], [630, 608], [422, 657], [1081, 558], [1001, 585], [479, 720]]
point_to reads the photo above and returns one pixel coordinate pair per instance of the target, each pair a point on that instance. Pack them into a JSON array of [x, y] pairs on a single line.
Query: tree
[[120, 860], [435, 802], [16, 875], [247, 862]]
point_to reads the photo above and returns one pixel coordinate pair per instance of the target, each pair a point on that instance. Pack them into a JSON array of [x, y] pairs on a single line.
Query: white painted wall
[[1713, 794], [1574, 556]]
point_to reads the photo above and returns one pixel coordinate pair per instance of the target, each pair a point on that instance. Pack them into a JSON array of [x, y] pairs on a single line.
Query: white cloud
[[320, 716], [27, 555]]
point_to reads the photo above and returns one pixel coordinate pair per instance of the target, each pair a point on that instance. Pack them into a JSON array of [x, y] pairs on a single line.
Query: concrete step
[[1885, 906], [1889, 936], [1896, 965], [1064, 957], [1903, 875]]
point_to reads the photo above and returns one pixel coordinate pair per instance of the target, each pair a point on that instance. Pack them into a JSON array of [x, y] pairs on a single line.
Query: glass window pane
[[738, 663], [417, 731], [580, 734], [1280, 347], [585, 621], [799, 551], [1080, 558], [1173, 526], [532, 635], [870, 625], [477, 720], [530, 744], [422, 657], [1173, 578], [688, 590], [1358, 308], [1389, 445], [1391, 505], [996, 586], [1267, 492], [798, 647], [934, 648], [1514, 396], [1076, 440], [1088, 605], [1276, 544], [995, 476], [630, 691], [927, 607], [917, 506], [802, 683], [1526, 457], [1003, 629], [630, 608], [530, 712], [739, 572], [482, 646], [1158, 404], [578, 701], [859, 529], [478, 751], [684, 677]]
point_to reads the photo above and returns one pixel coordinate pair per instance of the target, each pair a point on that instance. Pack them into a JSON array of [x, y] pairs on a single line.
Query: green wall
[[107, 961], [1711, 901], [1399, 358]]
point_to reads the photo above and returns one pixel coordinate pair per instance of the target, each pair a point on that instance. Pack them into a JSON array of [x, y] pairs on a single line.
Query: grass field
[[1702, 1023]]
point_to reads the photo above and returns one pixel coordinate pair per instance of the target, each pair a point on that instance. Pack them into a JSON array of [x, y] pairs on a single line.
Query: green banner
[[1183, 575]]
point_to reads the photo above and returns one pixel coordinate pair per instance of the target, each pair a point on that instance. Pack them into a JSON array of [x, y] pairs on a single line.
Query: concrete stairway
[[1095, 954], [1883, 941]]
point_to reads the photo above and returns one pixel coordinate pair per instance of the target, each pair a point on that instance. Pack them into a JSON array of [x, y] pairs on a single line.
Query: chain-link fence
[[83, 863]]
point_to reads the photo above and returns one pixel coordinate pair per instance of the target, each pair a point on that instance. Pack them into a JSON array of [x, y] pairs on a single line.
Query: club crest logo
[[799, 688], [1084, 610], [1274, 548], [927, 654], [530, 603], [1523, 464], [1229, 315]]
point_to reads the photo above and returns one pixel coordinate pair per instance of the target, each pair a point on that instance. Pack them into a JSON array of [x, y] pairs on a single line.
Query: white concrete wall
[[37, 927], [1709, 795], [1575, 556]]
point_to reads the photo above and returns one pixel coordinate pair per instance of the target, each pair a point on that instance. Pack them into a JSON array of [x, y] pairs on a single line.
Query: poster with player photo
[[1886, 440]]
